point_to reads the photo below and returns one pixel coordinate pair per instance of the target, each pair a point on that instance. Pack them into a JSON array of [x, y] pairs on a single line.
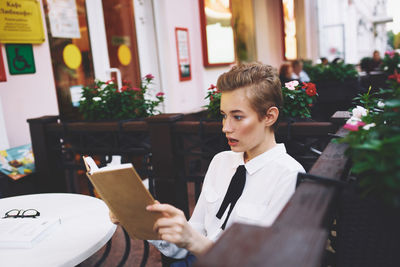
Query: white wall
[[268, 32], [28, 95], [3, 134], [181, 96], [361, 37]]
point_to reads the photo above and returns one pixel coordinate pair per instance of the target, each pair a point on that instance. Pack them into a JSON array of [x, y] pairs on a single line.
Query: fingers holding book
[[173, 226]]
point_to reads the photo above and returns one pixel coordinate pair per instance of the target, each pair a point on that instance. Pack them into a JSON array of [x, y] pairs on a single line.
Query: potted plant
[[104, 101], [298, 99], [337, 85], [369, 213], [213, 106], [391, 62]]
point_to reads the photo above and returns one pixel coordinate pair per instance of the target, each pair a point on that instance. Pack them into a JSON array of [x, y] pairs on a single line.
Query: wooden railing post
[[340, 117], [49, 176], [168, 187]]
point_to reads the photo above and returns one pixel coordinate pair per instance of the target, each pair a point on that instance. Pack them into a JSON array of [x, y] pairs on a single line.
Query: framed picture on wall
[[217, 32], [3, 76], [182, 49]]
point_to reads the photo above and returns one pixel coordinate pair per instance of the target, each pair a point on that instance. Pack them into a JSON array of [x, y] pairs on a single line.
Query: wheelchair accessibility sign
[[20, 58]]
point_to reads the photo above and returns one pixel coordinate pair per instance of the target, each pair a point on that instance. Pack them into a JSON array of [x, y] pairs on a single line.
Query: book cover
[[17, 162], [121, 188]]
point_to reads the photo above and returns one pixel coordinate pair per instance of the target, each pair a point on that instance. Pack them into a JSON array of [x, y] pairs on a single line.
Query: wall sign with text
[[182, 48], [21, 22]]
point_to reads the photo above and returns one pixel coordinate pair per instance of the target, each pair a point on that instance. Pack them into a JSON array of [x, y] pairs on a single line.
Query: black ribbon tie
[[233, 193]]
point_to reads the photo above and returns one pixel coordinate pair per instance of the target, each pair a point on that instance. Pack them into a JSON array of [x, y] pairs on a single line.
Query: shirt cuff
[[169, 249]]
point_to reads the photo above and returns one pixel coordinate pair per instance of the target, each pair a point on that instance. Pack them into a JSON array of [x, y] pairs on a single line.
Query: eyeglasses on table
[[19, 213]]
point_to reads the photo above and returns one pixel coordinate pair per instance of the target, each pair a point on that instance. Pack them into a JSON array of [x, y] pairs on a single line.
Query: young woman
[[250, 101]]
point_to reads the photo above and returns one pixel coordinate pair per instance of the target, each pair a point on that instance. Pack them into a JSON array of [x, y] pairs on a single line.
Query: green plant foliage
[[103, 101], [297, 99], [375, 148], [214, 98], [331, 72], [391, 62]]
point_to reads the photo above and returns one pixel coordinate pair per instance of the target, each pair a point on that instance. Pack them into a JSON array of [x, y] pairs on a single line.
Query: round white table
[[85, 228]]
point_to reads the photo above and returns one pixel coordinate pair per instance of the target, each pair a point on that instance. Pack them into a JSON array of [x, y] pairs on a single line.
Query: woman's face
[[241, 125]]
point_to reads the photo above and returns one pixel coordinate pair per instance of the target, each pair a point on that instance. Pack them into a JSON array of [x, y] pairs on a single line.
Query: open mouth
[[232, 142]]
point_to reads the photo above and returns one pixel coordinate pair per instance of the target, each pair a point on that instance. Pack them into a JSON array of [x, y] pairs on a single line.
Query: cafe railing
[[172, 150], [58, 148]]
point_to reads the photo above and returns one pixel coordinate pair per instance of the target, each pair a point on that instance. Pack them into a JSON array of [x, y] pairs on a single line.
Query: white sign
[[76, 94], [63, 17]]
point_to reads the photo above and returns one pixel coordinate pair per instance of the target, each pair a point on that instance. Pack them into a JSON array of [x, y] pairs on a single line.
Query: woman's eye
[[238, 117], [223, 116]]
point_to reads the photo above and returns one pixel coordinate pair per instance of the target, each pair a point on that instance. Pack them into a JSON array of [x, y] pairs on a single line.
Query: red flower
[[353, 127], [211, 97], [126, 82], [124, 88], [149, 76], [212, 87], [395, 77], [160, 94], [310, 89]]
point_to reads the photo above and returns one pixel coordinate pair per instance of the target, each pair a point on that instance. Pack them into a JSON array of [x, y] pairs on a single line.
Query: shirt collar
[[258, 162]]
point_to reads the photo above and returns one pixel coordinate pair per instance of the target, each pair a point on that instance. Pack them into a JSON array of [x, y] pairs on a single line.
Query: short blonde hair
[[262, 84]]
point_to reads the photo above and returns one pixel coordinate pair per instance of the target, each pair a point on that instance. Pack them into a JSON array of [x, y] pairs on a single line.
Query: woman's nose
[[226, 126]]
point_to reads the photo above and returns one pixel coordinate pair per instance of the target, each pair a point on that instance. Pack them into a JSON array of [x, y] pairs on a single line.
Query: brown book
[[122, 189]]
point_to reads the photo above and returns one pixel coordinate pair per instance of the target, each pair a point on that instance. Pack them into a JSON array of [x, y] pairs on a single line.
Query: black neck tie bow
[[233, 193]]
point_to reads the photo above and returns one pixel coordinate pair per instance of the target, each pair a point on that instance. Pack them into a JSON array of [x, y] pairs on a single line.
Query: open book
[[122, 190], [25, 232]]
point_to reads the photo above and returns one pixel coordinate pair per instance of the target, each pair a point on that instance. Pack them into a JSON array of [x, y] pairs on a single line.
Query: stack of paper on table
[[25, 232], [121, 188]]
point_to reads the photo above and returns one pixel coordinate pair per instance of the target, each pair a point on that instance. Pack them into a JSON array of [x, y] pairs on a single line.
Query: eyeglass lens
[[30, 213], [12, 213], [15, 213]]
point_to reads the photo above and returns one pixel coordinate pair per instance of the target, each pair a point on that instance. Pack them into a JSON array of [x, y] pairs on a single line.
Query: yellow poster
[[21, 22]]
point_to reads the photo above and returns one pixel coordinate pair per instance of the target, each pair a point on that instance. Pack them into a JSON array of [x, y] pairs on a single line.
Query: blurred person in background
[[376, 60], [285, 73], [324, 61], [298, 72]]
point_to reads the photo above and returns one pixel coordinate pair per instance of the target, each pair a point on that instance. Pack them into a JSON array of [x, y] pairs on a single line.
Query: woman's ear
[[271, 116]]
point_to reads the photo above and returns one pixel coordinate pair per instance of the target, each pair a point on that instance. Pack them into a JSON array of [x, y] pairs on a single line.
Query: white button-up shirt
[[270, 182]]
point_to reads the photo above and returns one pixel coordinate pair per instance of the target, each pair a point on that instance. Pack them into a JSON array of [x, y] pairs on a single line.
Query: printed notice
[[63, 17], [182, 46], [21, 22]]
